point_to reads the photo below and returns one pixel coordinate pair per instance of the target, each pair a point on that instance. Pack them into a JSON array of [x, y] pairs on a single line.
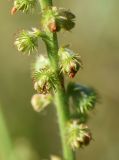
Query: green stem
[[45, 3], [60, 95], [6, 146]]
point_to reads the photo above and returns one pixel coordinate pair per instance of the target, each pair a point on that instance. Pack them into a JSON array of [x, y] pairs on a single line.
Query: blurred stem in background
[[6, 146]]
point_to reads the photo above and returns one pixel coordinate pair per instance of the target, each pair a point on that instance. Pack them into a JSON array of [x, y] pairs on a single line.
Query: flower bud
[[24, 5], [55, 19], [70, 63], [78, 135], [40, 101], [27, 41], [43, 75]]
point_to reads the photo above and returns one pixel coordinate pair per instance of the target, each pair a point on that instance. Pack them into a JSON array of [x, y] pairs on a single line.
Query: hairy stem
[[60, 95]]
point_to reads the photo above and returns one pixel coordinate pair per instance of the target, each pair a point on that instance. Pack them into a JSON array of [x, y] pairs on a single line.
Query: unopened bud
[[40, 101], [78, 135], [70, 62]]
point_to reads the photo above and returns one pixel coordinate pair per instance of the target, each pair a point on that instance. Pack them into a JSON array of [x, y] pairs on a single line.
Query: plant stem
[[60, 95], [45, 3], [6, 146]]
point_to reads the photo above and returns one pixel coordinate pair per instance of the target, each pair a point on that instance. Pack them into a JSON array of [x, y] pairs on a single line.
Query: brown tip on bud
[[13, 10], [72, 75], [52, 27], [72, 72], [87, 139]]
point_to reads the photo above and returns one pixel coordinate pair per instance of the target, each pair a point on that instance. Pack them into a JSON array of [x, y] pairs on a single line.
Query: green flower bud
[[84, 98], [24, 5], [70, 63], [78, 135], [40, 101], [55, 19], [43, 75], [27, 41]]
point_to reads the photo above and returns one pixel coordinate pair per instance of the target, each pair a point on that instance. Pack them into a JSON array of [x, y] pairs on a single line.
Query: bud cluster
[[55, 19], [23, 5], [83, 100], [43, 80], [70, 62], [27, 41], [78, 134]]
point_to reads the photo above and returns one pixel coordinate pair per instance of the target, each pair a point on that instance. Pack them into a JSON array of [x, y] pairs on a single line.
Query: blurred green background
[[96, 37]]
